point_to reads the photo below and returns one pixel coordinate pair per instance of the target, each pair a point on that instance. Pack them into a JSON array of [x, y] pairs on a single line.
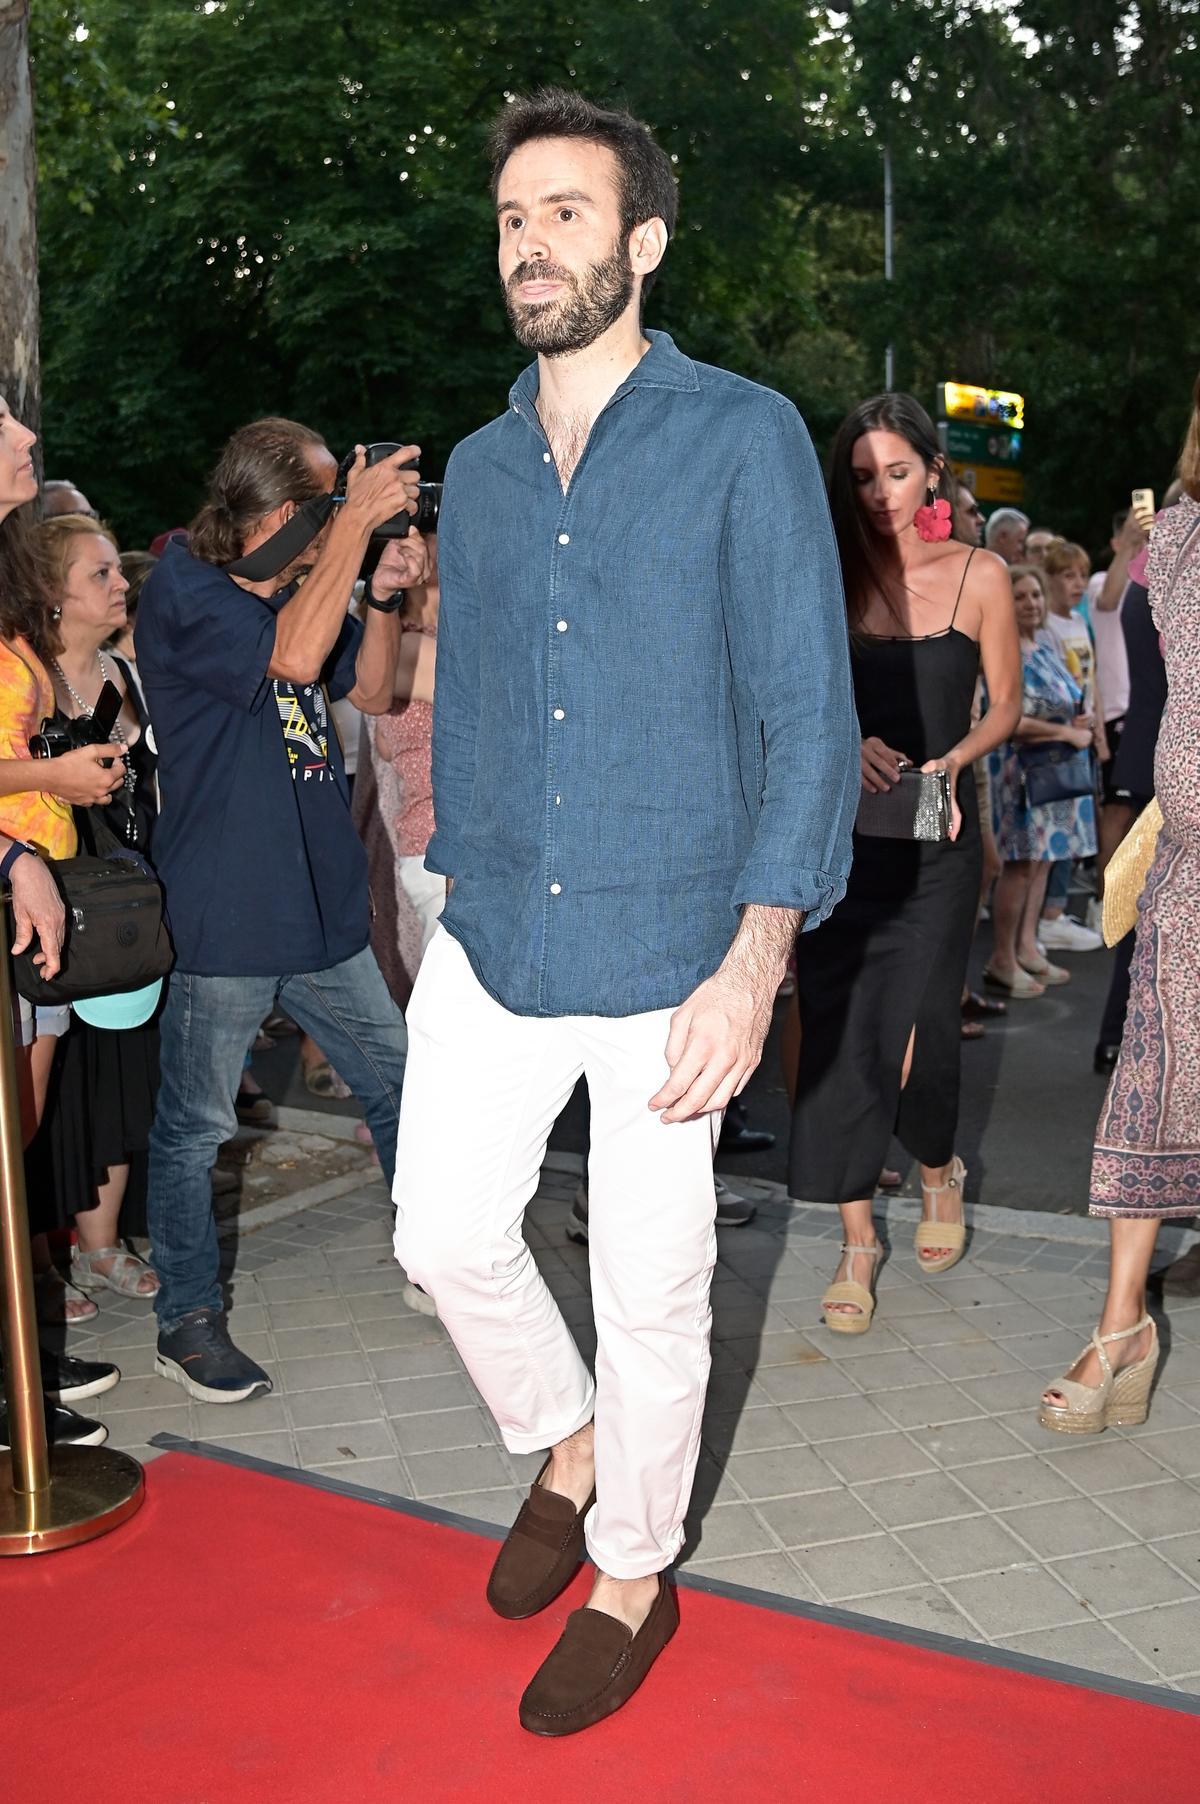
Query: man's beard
[[570, 322]]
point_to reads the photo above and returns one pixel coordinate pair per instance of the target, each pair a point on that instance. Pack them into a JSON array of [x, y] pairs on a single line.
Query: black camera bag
[[115, 937]]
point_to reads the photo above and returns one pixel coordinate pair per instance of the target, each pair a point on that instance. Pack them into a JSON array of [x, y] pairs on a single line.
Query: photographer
[[264, 874]]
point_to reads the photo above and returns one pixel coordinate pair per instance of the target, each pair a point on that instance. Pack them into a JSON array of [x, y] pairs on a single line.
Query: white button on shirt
[[556, 889], [561, 627], [560, 714], [564, 538], [545, 455]]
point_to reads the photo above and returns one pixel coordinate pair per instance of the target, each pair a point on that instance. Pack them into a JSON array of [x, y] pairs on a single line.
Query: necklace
[[87, 710]]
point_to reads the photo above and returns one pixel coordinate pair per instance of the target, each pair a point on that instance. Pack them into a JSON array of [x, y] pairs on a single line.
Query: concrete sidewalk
[[901, 1473]]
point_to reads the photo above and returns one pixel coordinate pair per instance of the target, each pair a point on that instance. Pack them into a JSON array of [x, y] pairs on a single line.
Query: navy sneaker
[[199, 1355], [67, 1380], [63, 1428]]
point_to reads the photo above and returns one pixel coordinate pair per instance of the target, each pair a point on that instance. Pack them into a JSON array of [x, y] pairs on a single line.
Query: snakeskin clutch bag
[[917, 807]]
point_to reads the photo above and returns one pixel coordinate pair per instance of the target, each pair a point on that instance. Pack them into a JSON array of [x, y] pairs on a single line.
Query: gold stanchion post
[[57, 1496]]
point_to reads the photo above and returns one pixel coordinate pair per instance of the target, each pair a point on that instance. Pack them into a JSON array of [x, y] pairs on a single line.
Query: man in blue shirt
[[645, 769], [264, 875]]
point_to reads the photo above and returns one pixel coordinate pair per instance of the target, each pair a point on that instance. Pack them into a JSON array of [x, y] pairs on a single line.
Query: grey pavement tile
[[389, 1331], [142, 1394], [835, 1418], [464, 1469], [1015, 1321], [378, 1278], [376, 1474], [927, 1405], [351, 1442], [959, 1549], [806, 1383], [919, 1607], [317, 1312], [772, 1573], [1015, 1601], [1105, 1463], [498, 1507], [967, 1443], [376, 1305], [297, 1287], [1090, 1646], [735, 1391], [320, 1371], [132, 1362], [278, 1447], [1166, 1411], [396, 1362], [848, 1349], [1005, 1391], [783, 1472], [1178, 1449], [136, 1426], [344, 1403], [855, 1569], [714, 1482], [1040, 1286], [926, 1332], [1007, 1484], [873, 1456], [1071, 1525], [788, 1348], [1169, 1636], [259, 1414], [417, 1395], [728, 1529], [820, 1517], [303, 1343], [974, 1290], [929, 1497], [750, 1431], [1049, 1355], [1181, 1365], [878, 1372], [898, 1306], [444, 1428], [972, 1359], [1152, 1511], [1125, 1578], [1183, 1551]]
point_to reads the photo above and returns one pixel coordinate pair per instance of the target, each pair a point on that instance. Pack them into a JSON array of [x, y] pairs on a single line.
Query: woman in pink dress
[[1146, 1160]]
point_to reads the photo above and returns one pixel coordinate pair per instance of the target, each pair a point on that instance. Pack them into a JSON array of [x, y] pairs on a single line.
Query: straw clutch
[[1126, 873]]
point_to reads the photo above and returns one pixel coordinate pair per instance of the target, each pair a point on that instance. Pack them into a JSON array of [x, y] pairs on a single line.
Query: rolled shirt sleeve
[[789, 647]]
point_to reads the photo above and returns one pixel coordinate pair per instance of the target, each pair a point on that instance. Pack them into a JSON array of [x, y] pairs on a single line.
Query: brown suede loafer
[[596, 1666], [541, 1553]]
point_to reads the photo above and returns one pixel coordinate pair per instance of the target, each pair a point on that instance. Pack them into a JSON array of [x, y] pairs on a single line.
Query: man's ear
[[647, 246]]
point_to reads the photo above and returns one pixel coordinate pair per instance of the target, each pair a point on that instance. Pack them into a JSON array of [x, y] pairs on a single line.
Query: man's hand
[[717, 1035], [880, 766], [85, 777], [403, 564], [37, 908], [374, 495]]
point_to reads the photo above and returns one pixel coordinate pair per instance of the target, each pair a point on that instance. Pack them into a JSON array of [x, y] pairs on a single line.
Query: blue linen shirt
[[644, 714]]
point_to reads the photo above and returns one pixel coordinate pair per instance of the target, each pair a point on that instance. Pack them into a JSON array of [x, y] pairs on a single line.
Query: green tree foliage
[[281, 205]]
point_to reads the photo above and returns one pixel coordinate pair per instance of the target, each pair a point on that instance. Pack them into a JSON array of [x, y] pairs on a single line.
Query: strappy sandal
[[125, 1276], [52, 1293], [1120, 1400], [948, 1234], [848, 1290]]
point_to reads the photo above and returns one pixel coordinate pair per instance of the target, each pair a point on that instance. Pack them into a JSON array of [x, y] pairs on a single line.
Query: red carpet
[[250, 1640]]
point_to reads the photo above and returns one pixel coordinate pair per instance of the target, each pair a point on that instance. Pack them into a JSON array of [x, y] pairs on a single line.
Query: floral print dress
[[1056, 829]]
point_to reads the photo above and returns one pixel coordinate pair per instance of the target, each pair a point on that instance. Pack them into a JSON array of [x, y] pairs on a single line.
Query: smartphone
[[105, 714], [1143, 502]]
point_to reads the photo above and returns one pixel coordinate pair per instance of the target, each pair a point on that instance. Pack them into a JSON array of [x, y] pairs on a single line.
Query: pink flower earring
[[933, 520]]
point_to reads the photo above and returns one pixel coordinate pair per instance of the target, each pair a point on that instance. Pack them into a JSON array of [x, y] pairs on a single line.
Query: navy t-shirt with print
[[263, 870]]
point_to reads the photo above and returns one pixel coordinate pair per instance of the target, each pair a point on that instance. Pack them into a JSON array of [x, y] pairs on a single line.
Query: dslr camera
[[61, 734], [429, 500]]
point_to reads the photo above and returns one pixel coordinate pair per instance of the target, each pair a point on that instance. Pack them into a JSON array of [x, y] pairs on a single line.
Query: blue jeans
[[1058, 884], [206, 1025]]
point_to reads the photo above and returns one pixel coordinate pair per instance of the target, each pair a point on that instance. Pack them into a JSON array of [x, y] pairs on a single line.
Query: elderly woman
[[1032, 839]]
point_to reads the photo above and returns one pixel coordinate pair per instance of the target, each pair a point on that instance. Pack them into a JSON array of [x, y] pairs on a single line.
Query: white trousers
[[426, 891], [482, 1089]]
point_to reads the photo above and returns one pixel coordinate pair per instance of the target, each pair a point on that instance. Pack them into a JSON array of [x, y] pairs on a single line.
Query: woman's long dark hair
[[870, 563], [25, 599]]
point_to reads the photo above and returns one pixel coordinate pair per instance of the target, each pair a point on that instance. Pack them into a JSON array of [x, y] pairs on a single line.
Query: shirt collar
[[663, 366]]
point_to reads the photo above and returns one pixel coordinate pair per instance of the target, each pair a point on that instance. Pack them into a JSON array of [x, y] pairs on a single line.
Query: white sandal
[[125, 1276], [950, 1235]]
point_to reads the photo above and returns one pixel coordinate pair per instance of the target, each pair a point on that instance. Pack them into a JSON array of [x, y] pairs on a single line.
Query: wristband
[[17, 850], [391, 606]]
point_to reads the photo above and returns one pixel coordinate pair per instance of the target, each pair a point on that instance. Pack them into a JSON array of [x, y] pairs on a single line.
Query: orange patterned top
[[26, 697]]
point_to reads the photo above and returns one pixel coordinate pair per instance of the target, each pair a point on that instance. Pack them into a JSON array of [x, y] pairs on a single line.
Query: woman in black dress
[[879, 984]]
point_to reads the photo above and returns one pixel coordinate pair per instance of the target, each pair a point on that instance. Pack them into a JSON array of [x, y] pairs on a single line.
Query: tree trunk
[[19, 378]]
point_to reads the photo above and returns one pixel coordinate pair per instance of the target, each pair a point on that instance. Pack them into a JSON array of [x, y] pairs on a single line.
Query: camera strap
[[284, 546]]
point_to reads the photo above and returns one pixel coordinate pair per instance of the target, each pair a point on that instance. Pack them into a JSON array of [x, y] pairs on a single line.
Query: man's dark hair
[[646, 187], [263, 465]]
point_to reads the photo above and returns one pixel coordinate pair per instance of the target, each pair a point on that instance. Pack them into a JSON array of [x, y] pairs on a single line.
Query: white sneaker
[[1067, 935]]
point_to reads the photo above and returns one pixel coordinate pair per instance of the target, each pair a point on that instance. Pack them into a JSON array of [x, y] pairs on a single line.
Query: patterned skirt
[[1146, 1158]]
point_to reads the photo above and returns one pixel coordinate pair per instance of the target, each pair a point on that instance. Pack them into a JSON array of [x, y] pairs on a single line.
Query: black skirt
[[99, 1111]]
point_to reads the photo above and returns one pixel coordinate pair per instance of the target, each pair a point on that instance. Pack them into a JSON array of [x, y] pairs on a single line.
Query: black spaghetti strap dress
[[893, 955]]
